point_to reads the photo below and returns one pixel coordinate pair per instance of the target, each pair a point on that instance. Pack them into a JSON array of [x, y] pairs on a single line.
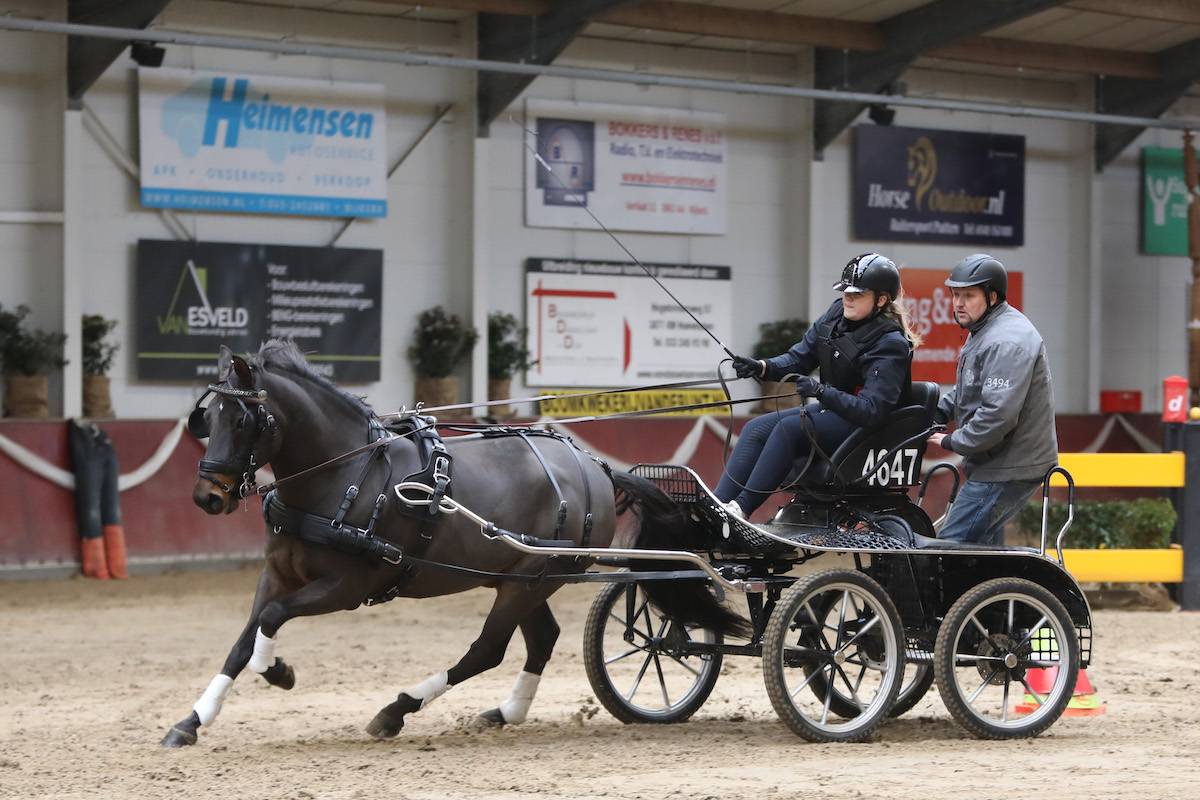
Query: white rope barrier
[[61, 477]]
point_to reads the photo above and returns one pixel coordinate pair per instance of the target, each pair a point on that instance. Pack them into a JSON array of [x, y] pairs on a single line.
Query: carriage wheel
[[918, 677], [989, 640], [839, 628], [637, 660]]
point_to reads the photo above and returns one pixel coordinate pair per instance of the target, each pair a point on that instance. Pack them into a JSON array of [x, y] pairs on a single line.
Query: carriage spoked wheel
[[640, 663], [989, 641], [914, 685], [836, 628]]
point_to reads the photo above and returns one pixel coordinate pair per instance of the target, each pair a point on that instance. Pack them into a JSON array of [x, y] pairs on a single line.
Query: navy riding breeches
[[768, 447]]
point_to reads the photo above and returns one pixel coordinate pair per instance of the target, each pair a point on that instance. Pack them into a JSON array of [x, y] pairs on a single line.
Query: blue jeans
[[982, 508], [768, 447]]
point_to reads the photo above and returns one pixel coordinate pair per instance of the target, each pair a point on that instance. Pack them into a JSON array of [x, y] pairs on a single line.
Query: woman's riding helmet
[[873, 272], [980, 270]]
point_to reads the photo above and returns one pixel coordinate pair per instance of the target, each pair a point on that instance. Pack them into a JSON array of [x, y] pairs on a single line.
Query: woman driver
[[863, 345]]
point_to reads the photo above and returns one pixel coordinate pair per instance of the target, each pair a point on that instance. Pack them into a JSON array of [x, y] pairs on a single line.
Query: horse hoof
[[491, 719], [178, 737], [385, 726], [280, 674]]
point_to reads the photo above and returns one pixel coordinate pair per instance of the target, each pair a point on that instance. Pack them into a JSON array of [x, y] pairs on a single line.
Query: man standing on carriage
[[1002, 404], [863, 345]]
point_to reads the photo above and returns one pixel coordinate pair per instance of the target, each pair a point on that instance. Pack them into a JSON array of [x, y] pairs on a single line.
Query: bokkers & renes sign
[[931, 312], [919, 184], [636, 168], [243, 143]]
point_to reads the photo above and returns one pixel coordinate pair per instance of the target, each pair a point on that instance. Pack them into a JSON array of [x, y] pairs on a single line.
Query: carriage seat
[[857, 456]]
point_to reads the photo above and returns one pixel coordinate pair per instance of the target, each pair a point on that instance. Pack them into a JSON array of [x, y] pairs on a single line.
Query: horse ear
[[242, 369], [224, 363]]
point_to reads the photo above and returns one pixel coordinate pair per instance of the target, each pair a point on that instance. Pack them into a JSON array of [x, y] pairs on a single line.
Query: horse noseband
[[244, 461]]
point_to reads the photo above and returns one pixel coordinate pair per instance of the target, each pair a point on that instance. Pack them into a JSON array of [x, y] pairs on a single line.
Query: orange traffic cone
[[1084, 702]]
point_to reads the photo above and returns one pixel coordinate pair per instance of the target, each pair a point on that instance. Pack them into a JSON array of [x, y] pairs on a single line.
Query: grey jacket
[[1002, 401]]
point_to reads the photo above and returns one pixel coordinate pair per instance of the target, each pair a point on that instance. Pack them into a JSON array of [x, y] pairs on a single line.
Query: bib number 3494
[[900, 471]]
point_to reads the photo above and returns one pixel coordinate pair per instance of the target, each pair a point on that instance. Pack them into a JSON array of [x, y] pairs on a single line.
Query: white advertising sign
[[255, 144], [597, 323], [636, 168]]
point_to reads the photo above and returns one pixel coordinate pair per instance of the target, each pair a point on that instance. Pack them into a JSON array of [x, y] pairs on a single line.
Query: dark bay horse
[[272, 408]]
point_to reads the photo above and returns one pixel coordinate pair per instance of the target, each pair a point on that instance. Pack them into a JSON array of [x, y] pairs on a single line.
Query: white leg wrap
[[517, 705], [429, 689], [264, 653], [209, 704]]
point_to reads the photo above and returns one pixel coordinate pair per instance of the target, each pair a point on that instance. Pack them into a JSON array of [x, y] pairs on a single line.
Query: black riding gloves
[[808, 386], [747, 367]]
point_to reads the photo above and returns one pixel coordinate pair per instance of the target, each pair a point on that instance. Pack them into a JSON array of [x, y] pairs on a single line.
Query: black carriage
[[845, 647]]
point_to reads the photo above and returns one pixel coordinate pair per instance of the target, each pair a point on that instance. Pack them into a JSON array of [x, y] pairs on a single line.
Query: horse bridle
[[243, 462]]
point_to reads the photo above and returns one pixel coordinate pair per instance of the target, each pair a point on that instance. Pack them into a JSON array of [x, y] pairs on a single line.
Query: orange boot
[[114, 550], [95, 565]]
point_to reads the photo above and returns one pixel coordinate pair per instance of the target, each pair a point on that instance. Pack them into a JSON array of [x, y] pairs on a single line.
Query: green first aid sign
[[1164, 202]]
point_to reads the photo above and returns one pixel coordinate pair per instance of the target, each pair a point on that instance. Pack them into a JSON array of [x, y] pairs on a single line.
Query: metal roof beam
[[1127, 96], [88, 58], [906, 36], [673, 16], [529, 40]]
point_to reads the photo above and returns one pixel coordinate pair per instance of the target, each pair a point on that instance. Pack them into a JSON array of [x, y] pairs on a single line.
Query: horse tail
[[664, 526]]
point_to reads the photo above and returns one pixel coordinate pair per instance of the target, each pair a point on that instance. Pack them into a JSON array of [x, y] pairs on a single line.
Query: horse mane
[[285, 356]]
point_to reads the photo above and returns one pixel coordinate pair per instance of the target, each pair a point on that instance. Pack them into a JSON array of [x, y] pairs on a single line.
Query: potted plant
[[507, 355], [440, 342], [98, 357], [774, 338], [25, 357]]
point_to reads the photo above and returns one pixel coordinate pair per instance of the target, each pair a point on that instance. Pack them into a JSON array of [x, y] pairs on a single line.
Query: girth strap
[[587, 495], [561, 521], [318, 530]]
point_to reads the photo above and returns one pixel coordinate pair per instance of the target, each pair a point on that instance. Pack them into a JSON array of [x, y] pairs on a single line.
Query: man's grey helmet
[[981, 270], [873, 272]]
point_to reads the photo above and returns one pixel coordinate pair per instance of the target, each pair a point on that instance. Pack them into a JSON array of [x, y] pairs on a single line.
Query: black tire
[[656, 652], [796, 644], [1027, 627]]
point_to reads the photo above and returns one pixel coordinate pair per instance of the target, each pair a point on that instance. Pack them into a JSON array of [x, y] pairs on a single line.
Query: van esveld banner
[[944, 187], [192, 297], [1164, 202], [931, 311], [636, 168], [600, 323], [248, 143]]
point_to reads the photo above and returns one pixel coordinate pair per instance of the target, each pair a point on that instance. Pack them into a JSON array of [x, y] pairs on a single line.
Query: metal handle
[[937, 523], [946, 465], [1062, 533]]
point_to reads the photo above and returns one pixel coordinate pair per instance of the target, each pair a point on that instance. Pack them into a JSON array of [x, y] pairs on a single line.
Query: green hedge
[[1117, 524]]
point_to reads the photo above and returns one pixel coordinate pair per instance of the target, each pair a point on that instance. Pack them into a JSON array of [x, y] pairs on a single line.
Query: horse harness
[[436, 471]]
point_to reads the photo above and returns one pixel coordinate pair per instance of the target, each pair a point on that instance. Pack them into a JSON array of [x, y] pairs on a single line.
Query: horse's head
[[242, 434]]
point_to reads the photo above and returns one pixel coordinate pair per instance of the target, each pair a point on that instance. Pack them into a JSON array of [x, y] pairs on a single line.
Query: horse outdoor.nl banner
[[940, 187], [192, 297], [246, 143]]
